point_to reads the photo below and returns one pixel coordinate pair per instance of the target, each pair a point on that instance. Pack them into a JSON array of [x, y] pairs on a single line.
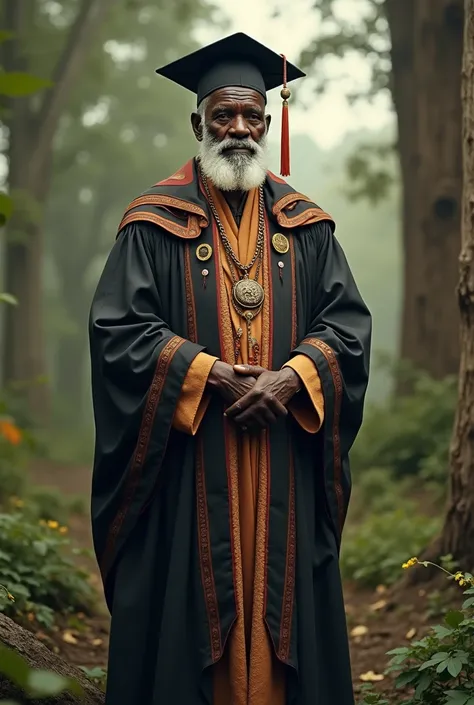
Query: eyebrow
[[225, 108]]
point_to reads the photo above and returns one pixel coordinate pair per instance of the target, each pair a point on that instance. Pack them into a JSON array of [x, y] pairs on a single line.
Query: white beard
[[233, 172]]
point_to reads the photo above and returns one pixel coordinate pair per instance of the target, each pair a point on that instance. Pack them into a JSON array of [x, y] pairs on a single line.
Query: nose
[[239, 128]]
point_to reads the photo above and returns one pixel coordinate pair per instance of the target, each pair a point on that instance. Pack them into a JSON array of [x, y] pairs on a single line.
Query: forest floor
[[378, 620]]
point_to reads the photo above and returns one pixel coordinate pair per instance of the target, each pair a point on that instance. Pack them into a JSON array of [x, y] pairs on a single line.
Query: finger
[[256, 417], [241, 405], [277, 407], [253, 370]]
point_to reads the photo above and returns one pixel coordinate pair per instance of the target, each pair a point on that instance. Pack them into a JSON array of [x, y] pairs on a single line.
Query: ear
[[268, 120], [196, 122]]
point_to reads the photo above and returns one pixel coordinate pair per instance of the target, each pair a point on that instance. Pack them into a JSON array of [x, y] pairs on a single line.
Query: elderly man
[[230, 353]]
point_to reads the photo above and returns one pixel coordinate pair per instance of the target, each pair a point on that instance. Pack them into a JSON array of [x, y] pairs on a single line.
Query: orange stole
[[249, 672]]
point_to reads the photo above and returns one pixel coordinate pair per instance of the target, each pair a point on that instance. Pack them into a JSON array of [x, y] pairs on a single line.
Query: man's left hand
[[266, 402]]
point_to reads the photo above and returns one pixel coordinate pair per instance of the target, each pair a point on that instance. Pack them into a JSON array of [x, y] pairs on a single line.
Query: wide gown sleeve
[[194, 399], [138, 367], [307, 407]]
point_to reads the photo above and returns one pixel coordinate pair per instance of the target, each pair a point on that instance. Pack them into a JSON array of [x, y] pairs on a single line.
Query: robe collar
[[179, 205]]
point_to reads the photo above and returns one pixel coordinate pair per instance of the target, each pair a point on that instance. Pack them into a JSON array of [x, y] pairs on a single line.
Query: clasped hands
[[257, 397]]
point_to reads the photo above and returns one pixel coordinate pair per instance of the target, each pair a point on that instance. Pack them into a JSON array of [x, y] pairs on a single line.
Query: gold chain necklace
[[247, 293]]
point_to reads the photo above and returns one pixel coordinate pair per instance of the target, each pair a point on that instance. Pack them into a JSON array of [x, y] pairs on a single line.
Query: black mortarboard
[[237, 60]]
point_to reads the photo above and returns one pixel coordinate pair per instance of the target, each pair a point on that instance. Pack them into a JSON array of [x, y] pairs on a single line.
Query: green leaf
[[5, 35], [401, 651], [442, 632], [457, 697], [468, 603], [405, 678], [454, 667], [41, 547], [454, 618], [424, 683], [436, 658], [6, 207], [8, 299], [45, 684], [17, 85], [13, 666], [443, 665]]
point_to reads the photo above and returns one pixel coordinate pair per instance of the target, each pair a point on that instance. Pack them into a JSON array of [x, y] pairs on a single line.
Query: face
[[232, 129]]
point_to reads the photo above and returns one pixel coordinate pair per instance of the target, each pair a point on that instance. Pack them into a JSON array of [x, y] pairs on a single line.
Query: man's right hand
[[230, 385]]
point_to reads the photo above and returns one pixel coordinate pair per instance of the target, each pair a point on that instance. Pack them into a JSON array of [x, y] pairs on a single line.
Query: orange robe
[[249, 672]]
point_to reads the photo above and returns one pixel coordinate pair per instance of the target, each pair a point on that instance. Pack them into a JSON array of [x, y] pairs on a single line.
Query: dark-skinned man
[[230, 355]]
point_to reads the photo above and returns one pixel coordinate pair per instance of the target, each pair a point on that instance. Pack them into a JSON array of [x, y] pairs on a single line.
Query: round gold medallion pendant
[[248, 293]]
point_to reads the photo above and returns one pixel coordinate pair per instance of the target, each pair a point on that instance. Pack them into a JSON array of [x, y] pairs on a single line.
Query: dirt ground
[[377, 620]]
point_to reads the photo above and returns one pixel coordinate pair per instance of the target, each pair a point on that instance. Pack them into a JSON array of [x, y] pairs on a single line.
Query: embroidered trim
[[290, 569], [288, 198], [134, 474], [190, 303], [308, 217], [205, 559], [266, 343], [294, 316], [173, 202], [192, 231], [333, 364]]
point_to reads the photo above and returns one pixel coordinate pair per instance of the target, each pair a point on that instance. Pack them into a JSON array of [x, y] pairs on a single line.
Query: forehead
[[236, 94]]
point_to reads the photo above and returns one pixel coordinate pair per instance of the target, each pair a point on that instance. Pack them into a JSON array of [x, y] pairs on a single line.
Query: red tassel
[[285, 127]]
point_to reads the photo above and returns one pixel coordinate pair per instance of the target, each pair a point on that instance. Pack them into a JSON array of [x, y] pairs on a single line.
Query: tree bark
[[401, 20], [30, 157], [430, 333], [458, 532], [38, 656]]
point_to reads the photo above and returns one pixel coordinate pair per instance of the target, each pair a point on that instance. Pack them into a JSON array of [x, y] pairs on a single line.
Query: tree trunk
[[458, 532], [38, 656], [430, 335], [401, 19], [30, 155]]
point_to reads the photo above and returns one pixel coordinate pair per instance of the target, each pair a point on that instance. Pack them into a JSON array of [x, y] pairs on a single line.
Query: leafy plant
[[34, 682], [373, 551], [397, 436], [440, 667], [36, 569]]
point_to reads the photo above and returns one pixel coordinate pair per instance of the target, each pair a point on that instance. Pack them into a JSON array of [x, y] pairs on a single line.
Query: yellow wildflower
[[10, 432], [458, 577], [63, 529], [53, 524], [462, 582], [410, 563], [10, 597]]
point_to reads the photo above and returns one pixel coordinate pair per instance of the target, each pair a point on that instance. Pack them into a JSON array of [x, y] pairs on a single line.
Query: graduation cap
[[237, 60]]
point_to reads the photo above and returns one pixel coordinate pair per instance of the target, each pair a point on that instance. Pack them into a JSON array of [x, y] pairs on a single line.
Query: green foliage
[[36, 569], [368, 174], [35, 683], [8, 299], [374, 550], [440, 667], [18, 85], [341, 34], [48, 503], [15, 445], [409, 435]]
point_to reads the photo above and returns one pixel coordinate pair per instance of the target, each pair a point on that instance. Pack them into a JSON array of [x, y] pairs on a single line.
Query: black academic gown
[[161, 508]]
